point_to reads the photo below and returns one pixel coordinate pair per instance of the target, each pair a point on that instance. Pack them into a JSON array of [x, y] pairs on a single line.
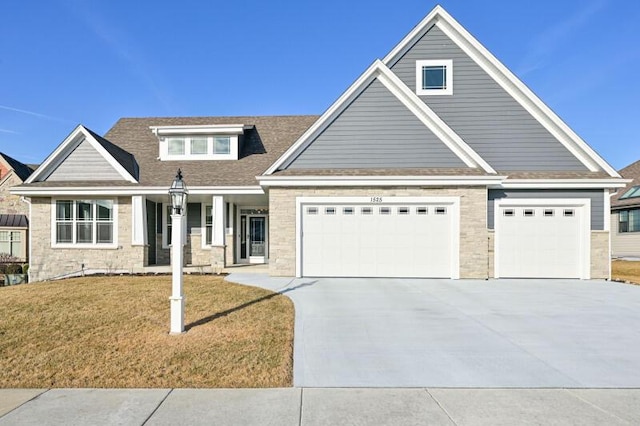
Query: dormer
[[204, 142]]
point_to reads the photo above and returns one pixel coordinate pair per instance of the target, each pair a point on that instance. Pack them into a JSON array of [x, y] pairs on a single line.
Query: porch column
[[218, 238], [138, 220]]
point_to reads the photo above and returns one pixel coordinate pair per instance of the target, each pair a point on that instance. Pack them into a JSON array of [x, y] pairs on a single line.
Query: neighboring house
[[14, 224], [436, 162], [625, 215]]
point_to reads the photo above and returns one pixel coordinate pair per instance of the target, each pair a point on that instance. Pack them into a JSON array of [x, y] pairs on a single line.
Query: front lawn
[[113, 332], [625, 270]]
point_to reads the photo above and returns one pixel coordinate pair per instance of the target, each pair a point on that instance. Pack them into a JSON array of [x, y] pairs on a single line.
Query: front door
[[253, 238], [257, 238]]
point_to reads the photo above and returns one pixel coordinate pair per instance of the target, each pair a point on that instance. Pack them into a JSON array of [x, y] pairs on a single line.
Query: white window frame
[[203, 225], [12, 242], [210, 154], [447, 63], [95, 245]]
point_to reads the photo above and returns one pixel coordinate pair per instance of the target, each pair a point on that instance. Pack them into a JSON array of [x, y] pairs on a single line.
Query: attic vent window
[[434, 77]]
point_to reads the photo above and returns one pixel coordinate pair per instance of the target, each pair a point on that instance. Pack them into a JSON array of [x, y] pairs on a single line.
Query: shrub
[[13, 268], [25, 268]]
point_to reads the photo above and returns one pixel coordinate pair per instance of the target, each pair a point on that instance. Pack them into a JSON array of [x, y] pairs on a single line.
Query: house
[[14, 212], [436, 162], [625, 215]]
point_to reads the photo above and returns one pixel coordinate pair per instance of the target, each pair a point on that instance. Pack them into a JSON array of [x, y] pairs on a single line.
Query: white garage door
[[540, 241], [378, 240]]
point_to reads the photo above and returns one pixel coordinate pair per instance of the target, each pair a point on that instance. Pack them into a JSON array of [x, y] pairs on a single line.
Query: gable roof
[[122, 162], [264, 140], [378, 71], [632, 172], [126, 159], [22, 170], [507, 80]]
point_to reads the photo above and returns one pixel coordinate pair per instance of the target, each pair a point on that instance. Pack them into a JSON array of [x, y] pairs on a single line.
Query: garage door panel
[[377, 240], [533, 244]]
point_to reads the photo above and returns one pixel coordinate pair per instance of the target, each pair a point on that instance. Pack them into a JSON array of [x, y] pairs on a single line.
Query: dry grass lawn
[[113, 332], [625, 270]]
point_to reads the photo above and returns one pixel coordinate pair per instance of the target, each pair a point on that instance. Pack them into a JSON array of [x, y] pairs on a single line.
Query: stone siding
[[9, 203], [48, 262], [600, 256], [473, 222], [199, 256]]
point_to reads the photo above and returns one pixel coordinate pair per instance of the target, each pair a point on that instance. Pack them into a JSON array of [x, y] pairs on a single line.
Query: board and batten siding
[[595, 195], [490, 120], [623, 244], [376, 131], [84, 163]]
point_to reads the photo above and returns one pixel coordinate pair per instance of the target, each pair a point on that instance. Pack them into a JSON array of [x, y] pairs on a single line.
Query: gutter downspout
[[28, 201]]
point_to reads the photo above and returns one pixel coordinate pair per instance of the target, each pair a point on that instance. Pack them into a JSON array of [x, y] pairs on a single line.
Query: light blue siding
[[483, 114], [595, 195], [376, 131], [84, 163]]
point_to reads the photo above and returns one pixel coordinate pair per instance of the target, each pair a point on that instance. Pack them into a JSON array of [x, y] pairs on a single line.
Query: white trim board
[[507, 80], [319, 181], [135, 190], [71, 142]]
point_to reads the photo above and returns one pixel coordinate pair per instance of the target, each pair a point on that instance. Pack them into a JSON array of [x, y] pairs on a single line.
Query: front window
[[199, 146], [629, 220], [176, 146], [221, 145], [208, 225], [11, 243], [84, 222], [434, 77]]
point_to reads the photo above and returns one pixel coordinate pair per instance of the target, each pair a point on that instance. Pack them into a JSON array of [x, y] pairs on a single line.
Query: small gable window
[[434, 77]]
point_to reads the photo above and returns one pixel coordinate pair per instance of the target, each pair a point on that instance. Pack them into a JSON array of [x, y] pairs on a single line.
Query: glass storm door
[[257, 239]]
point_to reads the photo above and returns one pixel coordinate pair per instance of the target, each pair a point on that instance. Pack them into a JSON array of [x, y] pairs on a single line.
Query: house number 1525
[[376, 199]]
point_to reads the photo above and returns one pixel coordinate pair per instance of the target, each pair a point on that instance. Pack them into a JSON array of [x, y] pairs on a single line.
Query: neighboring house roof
[[22, 170], [13, 221], [263, 144], [632, 171]]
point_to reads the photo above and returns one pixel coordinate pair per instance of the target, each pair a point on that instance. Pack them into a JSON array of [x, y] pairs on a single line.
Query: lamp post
[[178, 197]]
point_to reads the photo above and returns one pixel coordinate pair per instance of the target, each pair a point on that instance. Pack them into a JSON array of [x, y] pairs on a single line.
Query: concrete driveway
[[481, 334]]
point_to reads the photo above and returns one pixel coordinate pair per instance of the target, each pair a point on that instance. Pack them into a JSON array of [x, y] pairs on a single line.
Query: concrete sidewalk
[[311, 406]]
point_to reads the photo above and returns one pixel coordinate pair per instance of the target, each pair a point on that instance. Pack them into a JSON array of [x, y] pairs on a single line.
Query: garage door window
[[568, 212], [366, 210], [421, 210], [347, 210], [385, 210], [312, 210], [508, 212], [528, 212], [403, 210], [330, 210], [548, 212], [441, 210]]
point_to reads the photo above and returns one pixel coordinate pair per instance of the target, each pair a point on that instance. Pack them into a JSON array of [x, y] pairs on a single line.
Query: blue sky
[[65, 62]]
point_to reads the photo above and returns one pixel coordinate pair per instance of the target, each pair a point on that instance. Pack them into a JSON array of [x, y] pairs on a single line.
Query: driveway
[[466, 333]]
